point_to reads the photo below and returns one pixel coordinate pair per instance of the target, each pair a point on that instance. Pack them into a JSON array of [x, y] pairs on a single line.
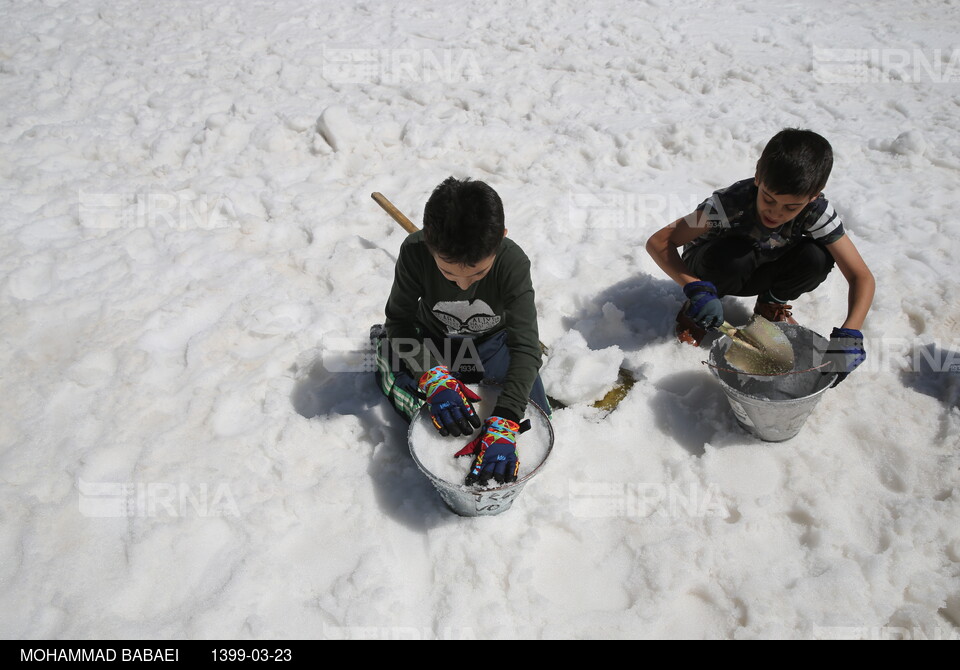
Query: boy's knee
[[494, 356], [815, 259], [727, 255], [808, 266], [727, 263]]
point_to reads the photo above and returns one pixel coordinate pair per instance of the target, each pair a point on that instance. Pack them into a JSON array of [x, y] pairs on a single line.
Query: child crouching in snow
[[774, 236], [462, 309]]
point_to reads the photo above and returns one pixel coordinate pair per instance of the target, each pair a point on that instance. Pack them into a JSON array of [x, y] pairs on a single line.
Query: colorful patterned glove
[[494, 452], [845, 352], [704, 306], [450, 402]]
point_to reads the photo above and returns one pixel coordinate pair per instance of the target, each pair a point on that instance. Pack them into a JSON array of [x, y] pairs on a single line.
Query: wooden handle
[[395, 213]]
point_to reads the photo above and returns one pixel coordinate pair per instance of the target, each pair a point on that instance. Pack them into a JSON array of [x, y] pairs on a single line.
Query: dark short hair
[[795, 162], [463, 221]]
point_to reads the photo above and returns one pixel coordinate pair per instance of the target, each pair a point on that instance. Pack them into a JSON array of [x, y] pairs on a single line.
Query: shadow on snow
[[402, 491]]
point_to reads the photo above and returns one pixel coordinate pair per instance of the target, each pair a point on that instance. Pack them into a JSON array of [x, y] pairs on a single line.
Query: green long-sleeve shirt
[[424, 304]]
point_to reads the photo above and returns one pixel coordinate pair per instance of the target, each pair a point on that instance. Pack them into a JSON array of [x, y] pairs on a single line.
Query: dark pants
[[736, 267], [401, 389]]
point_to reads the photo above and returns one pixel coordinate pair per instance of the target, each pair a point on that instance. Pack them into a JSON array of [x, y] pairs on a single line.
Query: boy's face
[[464, 276], [776, 209]]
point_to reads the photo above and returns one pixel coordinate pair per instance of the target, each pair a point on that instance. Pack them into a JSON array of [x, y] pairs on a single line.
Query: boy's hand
[[494, 452], [705, 308], [450, 402], [845, 352]]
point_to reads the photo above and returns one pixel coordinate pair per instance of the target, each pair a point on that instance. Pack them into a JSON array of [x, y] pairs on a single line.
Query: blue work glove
[[450, 402], [705, 308], [845, 352], [494, 453]]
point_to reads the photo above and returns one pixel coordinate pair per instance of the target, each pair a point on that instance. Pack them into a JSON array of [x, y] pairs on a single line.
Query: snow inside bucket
[[775, 407], [433, 454]]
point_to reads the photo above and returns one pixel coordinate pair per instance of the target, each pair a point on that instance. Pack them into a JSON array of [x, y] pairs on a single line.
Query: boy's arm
[[662, 245], [401, 309], [858, 276], [523, 340], [406, 339]]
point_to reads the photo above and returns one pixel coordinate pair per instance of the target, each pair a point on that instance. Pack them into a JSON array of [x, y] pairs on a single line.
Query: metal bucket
[[476, 501], [775, 407]]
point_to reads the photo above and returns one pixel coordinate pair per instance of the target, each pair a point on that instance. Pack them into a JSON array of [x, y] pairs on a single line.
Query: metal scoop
[[759, 348]]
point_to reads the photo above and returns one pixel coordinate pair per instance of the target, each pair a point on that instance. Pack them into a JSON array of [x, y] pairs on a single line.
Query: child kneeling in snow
[[462, 309], [774, 236]]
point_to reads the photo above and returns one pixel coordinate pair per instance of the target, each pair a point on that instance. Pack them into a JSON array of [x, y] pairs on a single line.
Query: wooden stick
[[395, 213]]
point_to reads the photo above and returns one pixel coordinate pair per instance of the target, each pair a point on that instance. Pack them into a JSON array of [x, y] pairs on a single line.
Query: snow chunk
[[337, 128], [909, 143], [574, 374]]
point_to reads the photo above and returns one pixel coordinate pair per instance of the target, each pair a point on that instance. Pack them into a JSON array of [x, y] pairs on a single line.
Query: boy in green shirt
[[462, 309]]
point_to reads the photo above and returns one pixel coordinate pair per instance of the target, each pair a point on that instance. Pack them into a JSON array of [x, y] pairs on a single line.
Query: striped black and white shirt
[[732, 211]]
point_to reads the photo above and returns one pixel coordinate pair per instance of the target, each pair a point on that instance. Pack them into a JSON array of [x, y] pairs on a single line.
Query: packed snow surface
[[189, 254]]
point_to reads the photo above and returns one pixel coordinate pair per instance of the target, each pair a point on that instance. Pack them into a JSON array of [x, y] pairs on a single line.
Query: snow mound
[[574, 374], [337, 128]]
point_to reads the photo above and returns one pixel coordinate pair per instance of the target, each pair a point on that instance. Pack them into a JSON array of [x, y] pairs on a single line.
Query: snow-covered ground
[[187, 241]]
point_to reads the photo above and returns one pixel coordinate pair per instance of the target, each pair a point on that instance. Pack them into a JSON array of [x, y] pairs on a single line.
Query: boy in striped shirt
[[774, 236]]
